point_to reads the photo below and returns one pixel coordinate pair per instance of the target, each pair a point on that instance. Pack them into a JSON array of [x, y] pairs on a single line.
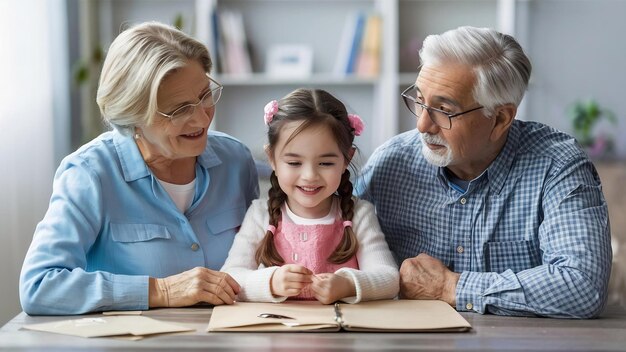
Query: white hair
[[501, 67], [136, 63]]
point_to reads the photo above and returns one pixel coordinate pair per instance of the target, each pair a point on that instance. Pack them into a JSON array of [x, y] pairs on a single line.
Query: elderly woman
[[143, 215]]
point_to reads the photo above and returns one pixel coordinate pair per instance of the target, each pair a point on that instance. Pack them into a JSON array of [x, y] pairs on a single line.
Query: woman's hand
[[289, 280], [328, 288], [193, 286]]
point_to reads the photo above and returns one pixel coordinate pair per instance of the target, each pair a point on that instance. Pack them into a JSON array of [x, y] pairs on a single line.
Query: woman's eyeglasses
[[209, 99]]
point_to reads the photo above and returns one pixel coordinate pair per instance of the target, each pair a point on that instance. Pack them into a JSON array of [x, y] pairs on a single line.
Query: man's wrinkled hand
[[426, 277]]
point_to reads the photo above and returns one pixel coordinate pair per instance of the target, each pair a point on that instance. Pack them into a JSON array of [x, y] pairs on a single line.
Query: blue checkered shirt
[[530, 236]]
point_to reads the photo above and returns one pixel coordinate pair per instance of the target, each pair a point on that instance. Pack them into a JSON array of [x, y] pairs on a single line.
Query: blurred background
[[363, 51]]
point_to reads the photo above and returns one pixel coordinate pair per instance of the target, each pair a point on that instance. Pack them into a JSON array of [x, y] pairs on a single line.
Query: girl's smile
[[310, 190]]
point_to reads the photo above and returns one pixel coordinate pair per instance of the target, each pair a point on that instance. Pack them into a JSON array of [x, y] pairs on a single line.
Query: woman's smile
[[194, 135]]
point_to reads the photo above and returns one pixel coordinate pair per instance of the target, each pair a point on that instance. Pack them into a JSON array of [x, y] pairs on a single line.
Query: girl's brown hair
[[315, 107]]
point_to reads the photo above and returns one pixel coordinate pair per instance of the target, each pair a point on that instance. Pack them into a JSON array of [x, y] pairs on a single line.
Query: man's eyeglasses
[[209, 99], [438, 117]]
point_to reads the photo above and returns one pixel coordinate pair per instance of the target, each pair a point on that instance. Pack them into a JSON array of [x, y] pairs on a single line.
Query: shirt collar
[[133, 165], [131, 161], [499, 169], [209, 157], [446, 181]]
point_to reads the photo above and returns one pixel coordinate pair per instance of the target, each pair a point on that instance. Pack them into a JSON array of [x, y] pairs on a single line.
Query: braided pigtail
[[349, 245], [267, 254]]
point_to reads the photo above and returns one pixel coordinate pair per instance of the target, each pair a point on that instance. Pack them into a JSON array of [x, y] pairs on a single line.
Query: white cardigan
[[377, 277]]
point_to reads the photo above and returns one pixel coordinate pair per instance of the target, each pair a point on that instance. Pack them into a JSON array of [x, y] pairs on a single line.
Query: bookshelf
[[318, 24]]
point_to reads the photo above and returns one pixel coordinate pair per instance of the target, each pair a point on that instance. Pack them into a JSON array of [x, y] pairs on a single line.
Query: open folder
[[381, 316]]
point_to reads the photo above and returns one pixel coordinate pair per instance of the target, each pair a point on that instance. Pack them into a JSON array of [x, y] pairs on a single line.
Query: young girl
[[311, 239]]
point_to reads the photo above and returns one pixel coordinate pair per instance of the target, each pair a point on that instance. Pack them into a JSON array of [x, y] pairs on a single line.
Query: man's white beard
[[439, 158]]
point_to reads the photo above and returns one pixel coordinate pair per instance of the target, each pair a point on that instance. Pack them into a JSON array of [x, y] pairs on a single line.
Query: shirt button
[[304, 236], [194, 247], [469, 306], [295, 257], [463, 201], [460, 249]]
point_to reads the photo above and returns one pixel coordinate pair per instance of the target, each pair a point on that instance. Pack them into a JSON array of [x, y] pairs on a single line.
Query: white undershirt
[[182, 195], [298, 220]]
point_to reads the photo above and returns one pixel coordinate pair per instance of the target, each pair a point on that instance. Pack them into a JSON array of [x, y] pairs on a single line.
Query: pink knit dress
[[310, 246]]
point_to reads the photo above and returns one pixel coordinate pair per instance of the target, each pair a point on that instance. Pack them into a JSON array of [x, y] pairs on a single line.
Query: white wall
[[578, 51], [27, 145]]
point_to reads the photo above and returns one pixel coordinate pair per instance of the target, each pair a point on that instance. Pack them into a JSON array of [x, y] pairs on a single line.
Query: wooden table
[[490, 333]]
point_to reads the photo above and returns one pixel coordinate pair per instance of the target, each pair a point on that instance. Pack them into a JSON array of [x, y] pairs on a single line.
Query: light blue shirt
[[111, 225], [530, 236]]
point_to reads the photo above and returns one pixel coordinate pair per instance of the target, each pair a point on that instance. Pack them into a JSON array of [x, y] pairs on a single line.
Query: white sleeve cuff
[[257, 287], [350, 275]]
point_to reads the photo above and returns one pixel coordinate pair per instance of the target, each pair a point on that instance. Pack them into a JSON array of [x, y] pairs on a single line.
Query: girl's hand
[[328, 288], [289, 280], [193, 286]]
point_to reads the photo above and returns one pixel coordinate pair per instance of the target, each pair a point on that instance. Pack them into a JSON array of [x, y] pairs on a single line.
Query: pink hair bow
[[270, 110], [356, 123]]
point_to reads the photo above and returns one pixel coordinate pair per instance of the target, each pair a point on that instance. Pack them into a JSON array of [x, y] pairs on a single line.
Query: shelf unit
[[318, 24]]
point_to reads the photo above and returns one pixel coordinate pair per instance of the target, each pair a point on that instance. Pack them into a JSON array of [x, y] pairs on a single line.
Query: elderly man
[[486, 212]]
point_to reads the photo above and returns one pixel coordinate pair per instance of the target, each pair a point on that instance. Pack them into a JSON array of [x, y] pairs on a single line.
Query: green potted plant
[[585, 115]]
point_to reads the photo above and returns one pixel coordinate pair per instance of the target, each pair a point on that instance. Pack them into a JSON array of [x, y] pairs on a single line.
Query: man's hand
[[193, 286], [425, 277], [328, 288], [289, 280]]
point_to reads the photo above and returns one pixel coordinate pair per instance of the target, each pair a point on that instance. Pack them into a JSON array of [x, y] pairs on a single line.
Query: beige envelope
[[100, 326]]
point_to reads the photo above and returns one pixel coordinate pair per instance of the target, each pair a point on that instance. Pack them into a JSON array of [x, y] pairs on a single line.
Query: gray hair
[[501, 67], [136, 63]]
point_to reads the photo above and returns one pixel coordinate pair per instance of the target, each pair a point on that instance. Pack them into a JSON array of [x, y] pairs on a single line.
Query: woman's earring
[[137, 136]]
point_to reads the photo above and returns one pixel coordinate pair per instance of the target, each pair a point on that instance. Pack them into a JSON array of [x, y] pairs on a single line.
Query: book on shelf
[[368, 61], [360, 46], [207, 30], [215, 45], [232, 46], [374, 316], [349, 44]]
